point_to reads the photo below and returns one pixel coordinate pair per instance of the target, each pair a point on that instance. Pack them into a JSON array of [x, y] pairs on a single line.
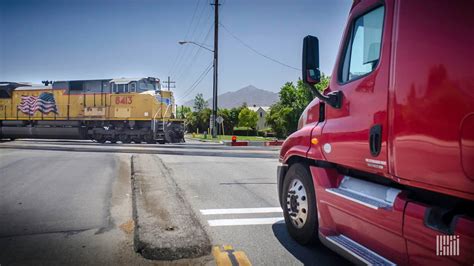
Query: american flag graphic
[[44, 103]]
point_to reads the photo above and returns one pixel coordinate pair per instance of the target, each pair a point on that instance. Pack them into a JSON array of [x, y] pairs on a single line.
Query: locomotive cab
[[124, 85]]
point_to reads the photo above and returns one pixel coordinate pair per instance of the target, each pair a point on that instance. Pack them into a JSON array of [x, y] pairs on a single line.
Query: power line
[[185, 52], [196, 83], [168, 83], [194, 58], [185, 36], [191, 89], [195, 53], [194, 29], [257, 52], [194, 14], [198, 80]]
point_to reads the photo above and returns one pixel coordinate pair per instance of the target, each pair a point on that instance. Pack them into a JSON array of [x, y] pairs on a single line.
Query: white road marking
[[241, 210], [246, 221]]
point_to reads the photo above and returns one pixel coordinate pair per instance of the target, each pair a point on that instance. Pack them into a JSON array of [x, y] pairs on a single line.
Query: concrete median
[[254, 143], [166, 228]]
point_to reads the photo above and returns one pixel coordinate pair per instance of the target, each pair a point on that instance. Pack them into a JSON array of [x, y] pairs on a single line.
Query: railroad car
[[103, 110]]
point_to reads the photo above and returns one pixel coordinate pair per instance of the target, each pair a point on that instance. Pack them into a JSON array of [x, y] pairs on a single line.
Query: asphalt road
[[65, 208], [219, 187], [69, 201], [191, 148]]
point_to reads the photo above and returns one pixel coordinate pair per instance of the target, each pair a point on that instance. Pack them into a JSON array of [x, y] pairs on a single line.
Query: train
[[104, 110]]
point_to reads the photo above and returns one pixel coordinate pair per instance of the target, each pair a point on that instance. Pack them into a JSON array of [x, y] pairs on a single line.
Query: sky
[[96, 39]]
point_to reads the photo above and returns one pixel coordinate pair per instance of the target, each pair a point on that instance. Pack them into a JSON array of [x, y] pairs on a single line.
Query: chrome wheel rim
[[297, 203]]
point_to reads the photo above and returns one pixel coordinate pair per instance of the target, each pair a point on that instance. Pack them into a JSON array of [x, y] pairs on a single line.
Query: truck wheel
[[299, 205]]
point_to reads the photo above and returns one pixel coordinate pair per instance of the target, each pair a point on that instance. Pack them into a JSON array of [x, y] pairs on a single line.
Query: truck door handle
[[375, 140]]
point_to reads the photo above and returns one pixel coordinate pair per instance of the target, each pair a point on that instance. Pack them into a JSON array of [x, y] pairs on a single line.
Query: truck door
[[355, 136], [356, 133]]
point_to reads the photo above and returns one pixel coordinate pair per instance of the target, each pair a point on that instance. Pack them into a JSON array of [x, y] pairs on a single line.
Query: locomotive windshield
[[133, 85], [145, 85]]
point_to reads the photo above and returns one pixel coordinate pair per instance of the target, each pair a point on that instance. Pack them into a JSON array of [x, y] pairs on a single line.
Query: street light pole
[[213, 125], [215, 79], [198, 44]]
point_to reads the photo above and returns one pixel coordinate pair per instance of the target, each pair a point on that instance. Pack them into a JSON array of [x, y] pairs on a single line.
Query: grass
[[229, 137], [242, 128]]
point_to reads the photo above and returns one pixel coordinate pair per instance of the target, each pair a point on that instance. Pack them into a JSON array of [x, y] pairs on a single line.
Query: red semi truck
[[381, 169]]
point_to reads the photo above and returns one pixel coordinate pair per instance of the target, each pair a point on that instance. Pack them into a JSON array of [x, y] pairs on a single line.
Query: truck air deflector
[[366, 193], [357, 251]]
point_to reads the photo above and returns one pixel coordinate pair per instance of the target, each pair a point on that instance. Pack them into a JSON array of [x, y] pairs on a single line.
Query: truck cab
[[381, 169]]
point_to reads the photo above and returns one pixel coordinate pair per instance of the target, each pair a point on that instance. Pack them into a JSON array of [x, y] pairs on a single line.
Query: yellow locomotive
[[112, 110]]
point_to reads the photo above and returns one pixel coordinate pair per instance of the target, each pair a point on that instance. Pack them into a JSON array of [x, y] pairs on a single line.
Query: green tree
[[182, 111], [199, 103], [198, 120], [284, 115], [276, 119], [203, 119], [248, 118], [324, 83], [228, 125], [191, 122], [234, 117]]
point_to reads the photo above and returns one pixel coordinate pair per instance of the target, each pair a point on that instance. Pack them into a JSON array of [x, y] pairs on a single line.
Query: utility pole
[[169, 82], [215, 78]]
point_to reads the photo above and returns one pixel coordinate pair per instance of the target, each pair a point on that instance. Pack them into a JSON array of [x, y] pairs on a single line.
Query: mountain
[[250, 95]]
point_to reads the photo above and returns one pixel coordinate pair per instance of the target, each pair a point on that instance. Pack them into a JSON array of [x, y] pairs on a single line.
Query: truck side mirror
[[311, 73]]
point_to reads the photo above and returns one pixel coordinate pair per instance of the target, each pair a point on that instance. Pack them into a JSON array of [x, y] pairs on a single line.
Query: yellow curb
[[225, 255]]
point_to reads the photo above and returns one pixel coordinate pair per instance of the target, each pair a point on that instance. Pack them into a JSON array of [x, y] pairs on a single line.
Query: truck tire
[[299, 205]]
